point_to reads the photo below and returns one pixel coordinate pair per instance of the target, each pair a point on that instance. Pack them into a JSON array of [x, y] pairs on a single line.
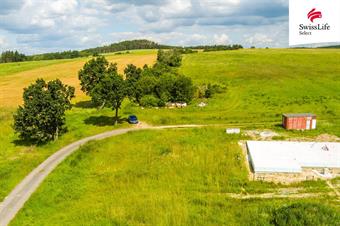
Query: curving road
[[22, 192]]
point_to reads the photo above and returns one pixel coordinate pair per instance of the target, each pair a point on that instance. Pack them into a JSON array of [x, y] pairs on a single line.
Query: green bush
[[305, 214], [149, 101]]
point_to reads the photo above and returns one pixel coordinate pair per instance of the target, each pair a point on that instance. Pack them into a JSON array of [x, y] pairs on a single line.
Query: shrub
[[149, 101], [170, 58], [183, 90], [305, 214]]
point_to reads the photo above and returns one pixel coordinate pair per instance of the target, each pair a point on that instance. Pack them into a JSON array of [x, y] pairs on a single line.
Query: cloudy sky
[[36, 26]]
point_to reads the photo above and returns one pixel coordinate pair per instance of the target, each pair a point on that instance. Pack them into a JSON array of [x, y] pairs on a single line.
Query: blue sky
[[36, 26]]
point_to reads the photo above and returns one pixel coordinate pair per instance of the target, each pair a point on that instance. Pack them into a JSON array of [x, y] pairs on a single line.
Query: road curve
[[22, 192]]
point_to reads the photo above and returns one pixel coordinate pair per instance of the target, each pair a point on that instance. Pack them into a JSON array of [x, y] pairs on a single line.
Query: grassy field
[[13, 68], [17, 159], [174, 177], [261, 84]]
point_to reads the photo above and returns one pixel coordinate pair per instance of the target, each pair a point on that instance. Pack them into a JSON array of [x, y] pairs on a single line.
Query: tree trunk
[[102, 106], [56, 134], [116, 119]]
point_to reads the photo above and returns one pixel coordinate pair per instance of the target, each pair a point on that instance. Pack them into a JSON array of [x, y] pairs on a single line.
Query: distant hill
[[331, 47], [11, 56], [127, 45]]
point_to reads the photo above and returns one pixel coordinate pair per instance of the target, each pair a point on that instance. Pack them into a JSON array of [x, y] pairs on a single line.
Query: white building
[[292, 157]]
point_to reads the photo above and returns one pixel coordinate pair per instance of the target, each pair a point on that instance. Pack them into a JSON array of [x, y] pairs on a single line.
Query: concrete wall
[[287, 178]]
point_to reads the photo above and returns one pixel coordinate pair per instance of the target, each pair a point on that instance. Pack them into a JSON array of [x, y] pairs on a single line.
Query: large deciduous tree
[[42, 117], [110, 91], [92, 72]]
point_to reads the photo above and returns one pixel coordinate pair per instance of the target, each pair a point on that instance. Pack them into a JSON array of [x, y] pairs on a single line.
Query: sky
[[39, 26]]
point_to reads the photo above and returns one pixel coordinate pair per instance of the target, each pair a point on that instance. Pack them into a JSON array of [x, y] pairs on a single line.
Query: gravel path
[[22, 192]]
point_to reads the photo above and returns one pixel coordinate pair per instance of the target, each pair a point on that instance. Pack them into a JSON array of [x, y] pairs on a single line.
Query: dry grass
[[11, 86]]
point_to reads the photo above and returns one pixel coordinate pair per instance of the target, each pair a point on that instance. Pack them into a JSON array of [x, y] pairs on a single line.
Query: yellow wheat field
[[11, 86]]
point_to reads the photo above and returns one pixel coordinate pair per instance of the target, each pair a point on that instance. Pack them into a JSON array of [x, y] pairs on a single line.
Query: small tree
[[42, 117], [110, 91], [132, 75], [172, 58], [132, 72], [164, 87]]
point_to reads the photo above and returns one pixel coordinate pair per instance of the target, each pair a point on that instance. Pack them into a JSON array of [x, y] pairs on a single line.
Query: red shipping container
[[305, 121]]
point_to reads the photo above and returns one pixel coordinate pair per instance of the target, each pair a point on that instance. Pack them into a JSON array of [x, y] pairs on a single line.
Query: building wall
[[287, 178]]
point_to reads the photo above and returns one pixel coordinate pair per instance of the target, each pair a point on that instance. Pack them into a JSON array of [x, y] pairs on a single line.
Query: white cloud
[[222, 39], [63, 6], [46, 25], [259, 39], [3, 42]]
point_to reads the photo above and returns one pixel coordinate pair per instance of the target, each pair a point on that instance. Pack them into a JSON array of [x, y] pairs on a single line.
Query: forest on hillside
[[15, 56]]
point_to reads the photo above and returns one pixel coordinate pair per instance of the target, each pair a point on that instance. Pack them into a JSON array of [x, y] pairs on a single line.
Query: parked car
[[132, 119]]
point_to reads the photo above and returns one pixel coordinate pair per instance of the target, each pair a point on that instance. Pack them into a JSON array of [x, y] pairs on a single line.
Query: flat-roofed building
[[285, 157]]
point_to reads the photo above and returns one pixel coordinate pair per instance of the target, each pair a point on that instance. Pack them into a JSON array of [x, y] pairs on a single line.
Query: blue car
[[132, 119]]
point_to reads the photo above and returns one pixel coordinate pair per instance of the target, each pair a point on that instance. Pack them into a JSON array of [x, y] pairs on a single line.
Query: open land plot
[[17, 158], [170, 177], [261, 84]]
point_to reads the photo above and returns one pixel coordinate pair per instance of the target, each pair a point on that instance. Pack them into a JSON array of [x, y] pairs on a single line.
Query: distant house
[[305, 121]]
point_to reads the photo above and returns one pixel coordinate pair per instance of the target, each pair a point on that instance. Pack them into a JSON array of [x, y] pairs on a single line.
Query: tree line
[[219, 47], [12, 56], [15, 56], [42, 116]]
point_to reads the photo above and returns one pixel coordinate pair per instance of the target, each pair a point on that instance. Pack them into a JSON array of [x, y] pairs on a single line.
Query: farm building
[[300, 158], [299, 121]]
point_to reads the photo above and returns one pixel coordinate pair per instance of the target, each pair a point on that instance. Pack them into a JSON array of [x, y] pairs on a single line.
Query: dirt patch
[[261, 135], [327, 137], [321, 138], [142, 125]]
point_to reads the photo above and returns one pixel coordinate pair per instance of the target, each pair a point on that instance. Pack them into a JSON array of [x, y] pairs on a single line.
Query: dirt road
[[22, 192]]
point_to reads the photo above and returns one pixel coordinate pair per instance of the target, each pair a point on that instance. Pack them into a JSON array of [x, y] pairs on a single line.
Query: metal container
[[305, 121]]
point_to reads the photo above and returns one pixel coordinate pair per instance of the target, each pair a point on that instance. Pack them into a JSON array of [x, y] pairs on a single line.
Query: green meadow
[[18, 158], [12, 68], [261, 85], [189, 170], [167, 177]]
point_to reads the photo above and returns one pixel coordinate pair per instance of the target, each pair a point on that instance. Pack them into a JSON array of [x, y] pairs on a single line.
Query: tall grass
[[12, 68], [261, 84], [172, 177], [18, 158]]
